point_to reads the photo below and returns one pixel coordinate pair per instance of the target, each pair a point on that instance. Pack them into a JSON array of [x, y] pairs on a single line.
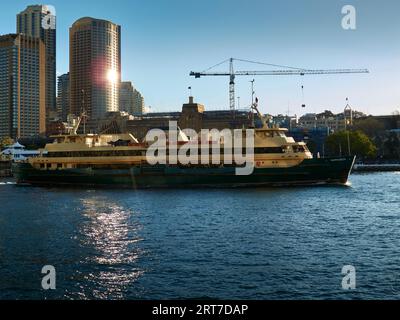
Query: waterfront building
[[327, 119], [95, 67], [17, 152], [193, 116], [22, 86], [284, 121], [63, 93], [323, 120], [39, 21]]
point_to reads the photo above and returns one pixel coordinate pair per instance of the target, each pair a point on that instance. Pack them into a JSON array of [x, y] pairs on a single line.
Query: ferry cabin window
[[113, 153], [131, 153], [286, 149], [269, 150], [268, 134], [298, 149], [271, 134]]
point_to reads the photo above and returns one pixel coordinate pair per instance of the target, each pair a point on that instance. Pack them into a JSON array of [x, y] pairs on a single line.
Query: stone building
[[193, 116]]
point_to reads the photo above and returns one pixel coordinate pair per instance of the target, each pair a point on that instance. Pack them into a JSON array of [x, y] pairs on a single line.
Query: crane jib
[[279, 72], [283, 72]]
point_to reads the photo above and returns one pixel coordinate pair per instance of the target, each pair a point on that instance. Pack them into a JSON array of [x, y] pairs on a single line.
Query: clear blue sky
[[162, 41]]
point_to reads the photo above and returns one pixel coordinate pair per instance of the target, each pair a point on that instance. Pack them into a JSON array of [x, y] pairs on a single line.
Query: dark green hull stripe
[[313, 171]]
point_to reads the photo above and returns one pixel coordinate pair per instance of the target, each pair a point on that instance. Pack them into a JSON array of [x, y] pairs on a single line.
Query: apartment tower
[[95, 67], [39, 21], [22, 86]]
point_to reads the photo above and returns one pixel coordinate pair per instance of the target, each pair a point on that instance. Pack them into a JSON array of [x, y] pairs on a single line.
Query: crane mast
[[231, 85], [291, 71]]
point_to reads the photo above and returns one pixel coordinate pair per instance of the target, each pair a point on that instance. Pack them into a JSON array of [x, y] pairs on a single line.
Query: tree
[[392, 146], [370, 126], [360, 144], [6, 141]]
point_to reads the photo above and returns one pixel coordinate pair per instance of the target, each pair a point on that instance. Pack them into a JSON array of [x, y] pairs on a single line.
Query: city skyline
[[161, 41]]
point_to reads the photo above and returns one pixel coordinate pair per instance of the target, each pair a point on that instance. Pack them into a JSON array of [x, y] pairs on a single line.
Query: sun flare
[[112, 76]]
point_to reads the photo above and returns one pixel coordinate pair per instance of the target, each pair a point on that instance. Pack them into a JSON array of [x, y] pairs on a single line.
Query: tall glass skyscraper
[[95, 67], [39, 21], [63, 93]]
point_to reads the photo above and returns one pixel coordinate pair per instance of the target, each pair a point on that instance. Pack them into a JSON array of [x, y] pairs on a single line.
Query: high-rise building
[[95, 67], [39, 21], [63, 92], [22, 89], [130, 100], [138, 103], [126, 97]]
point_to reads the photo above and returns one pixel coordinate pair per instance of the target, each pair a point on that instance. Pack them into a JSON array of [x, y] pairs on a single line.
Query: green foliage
[[360, 144], [370, 126], [6, 142], [392, 146]]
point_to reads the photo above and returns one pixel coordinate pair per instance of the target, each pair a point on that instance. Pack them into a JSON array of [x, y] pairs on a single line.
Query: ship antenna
[[74, 130], [254, 106]]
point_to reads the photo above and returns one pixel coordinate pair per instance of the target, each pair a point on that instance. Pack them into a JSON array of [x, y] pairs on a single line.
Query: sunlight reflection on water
[[112, 232]]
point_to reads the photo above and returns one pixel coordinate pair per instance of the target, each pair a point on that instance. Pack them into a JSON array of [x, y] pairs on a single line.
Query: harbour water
[[288, 243]]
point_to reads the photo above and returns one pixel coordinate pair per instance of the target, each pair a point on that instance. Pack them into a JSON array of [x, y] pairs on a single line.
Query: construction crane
[[290, 71]]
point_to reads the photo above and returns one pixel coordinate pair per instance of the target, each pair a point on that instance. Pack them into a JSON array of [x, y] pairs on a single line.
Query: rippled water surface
[[286, 243]]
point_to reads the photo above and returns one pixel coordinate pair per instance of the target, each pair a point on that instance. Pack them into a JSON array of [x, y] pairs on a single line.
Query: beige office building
[[95, 67], [39, 21], [22, 86]]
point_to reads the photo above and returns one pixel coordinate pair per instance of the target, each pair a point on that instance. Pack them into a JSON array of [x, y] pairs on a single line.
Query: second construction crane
[[289, 71]]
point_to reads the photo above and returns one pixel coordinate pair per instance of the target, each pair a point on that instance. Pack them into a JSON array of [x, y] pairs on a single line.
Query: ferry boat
[[119, 160], [17, 152]]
